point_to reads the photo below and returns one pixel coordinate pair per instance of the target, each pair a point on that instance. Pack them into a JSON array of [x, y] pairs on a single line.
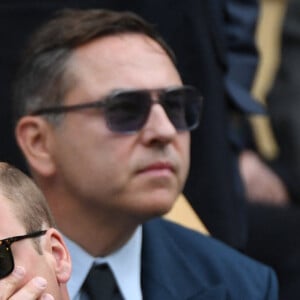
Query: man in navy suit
[[213, 40], [111, 165]]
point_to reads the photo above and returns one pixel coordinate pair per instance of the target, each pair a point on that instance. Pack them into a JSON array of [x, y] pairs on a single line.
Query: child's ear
[[61, 255]]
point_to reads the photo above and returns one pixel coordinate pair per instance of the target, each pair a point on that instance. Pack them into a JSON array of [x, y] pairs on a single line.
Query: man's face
[[25, 252], [134, 176]]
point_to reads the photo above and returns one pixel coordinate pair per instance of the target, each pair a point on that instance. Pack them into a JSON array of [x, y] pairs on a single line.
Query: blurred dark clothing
[[284, 102], [274, 240], [274, 231]]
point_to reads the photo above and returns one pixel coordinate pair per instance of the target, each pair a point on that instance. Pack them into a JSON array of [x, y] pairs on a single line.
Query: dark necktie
[[100, 284]]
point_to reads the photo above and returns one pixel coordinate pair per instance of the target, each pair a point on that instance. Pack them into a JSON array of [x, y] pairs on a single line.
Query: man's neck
[[97, 242], [98, 233]]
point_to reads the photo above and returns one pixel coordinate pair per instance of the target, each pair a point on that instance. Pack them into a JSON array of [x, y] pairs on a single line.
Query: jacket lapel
[[161, 263], [213, 293]]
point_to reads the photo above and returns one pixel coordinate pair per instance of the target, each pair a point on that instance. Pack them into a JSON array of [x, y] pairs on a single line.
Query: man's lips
[[158, 167]]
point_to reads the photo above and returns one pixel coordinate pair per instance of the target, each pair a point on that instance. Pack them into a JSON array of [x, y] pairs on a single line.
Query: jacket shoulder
[[210, 261]]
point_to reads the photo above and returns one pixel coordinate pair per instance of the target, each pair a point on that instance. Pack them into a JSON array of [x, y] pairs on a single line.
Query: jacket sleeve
[[240, 19]]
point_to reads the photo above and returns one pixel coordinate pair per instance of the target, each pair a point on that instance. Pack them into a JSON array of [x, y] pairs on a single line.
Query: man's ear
[[33, 135], [61, 255]]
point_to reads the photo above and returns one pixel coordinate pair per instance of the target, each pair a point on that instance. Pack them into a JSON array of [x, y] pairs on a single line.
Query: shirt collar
[[125, 263]]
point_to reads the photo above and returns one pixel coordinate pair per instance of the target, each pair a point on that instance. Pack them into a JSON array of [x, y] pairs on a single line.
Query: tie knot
[[100, 284]]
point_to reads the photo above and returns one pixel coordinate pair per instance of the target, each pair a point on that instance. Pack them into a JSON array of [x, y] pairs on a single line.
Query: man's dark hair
[[43, 78]]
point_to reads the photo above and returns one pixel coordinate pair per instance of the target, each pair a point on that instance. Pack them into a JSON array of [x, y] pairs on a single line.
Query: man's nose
[[158, 126]]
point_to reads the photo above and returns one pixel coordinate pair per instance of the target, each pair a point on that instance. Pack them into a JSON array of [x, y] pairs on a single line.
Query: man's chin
[[159, 207]]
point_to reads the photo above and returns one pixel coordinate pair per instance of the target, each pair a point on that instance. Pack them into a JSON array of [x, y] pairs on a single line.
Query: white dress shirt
[[125, 264]]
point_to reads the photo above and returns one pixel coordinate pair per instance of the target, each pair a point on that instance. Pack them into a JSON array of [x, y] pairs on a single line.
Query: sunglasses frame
[[104, 102], [5, 244]]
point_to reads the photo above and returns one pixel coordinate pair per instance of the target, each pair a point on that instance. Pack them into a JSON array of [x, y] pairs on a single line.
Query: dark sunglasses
[[126, 111], [6, 257]]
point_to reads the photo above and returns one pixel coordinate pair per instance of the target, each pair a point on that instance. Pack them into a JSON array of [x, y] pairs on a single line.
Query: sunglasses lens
[[6, 261], [127, 112], [183, 107]]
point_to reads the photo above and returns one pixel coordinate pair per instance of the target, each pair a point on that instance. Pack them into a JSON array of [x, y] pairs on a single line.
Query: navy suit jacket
[[181, 264]]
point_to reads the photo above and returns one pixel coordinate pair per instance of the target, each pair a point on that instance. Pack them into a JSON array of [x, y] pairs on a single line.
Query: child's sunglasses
[[6, 257]]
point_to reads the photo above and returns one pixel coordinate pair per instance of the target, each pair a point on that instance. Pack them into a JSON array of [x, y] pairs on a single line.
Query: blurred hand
[[13, 287], [262, 184]]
